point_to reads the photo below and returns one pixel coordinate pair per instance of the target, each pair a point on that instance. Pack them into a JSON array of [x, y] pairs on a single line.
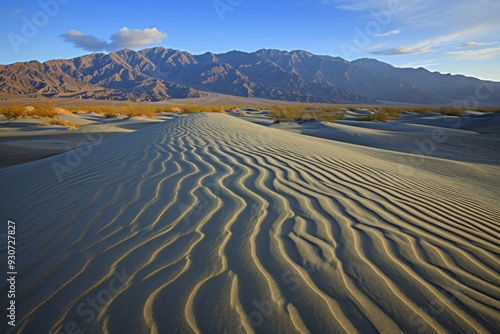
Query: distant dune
[[209, 224]]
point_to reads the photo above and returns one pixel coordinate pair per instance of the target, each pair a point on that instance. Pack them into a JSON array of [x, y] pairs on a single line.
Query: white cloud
[[478, 43], [402, 50], [389, 33], [433, 17], [428, 45], [476, 54], [374, 47], [124, 38], [13, 13]]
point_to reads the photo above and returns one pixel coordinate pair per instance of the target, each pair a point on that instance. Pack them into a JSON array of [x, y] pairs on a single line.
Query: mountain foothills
[[158, 74]]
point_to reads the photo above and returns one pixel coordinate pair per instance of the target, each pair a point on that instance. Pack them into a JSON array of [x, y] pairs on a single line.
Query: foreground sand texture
[[217, 225]]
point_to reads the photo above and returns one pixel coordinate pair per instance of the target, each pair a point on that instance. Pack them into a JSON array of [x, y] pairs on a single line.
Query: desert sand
[[208, 223], [23, 140]]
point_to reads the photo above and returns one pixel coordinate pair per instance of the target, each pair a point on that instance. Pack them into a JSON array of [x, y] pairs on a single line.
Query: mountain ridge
[[157, 74]]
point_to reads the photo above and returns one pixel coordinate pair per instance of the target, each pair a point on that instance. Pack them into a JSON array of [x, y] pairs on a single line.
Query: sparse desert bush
[[383, 114], [286, 113], [46, 109], [377, 116], [148, 110], [422, 110], [219, 109], [191, 109], [393, 111], [15, 111], [331, 109], [330, 117], [59, 121], [451, 111]]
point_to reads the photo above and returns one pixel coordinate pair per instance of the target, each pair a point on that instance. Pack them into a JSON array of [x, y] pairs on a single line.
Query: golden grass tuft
[[451, 111], [60, 121]]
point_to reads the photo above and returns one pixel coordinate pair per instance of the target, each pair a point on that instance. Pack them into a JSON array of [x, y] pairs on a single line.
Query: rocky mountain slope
[[158, 74]]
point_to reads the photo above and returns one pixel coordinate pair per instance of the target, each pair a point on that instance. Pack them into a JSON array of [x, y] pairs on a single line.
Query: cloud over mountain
[[123, 39]]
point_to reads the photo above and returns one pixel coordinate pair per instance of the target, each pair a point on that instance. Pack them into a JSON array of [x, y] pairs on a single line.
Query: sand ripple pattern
[[209, 224]]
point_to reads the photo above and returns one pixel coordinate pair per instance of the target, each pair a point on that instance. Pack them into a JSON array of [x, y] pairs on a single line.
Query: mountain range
[[158, 74]]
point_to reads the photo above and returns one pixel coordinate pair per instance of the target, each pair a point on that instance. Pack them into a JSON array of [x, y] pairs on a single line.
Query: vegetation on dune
[[377, 116], [279, 113], [451, 111], [286, 113], [383, 114], [59, 121], [36, 111], [150, 111], [297, 113], [331, 117]]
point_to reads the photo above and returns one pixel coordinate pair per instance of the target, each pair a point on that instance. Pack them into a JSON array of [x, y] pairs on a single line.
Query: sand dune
[[24, 140], [210, 224]]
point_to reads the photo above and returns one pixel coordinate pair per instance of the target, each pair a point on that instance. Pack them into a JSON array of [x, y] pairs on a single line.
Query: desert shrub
[[393, 111], [330, 109], [422, 110], [286, 113], [190, 109], [383, 114], [330, 117], [377, 116], [15, 111], [46, 109], [219, 109], [60, 121], [451, 111]]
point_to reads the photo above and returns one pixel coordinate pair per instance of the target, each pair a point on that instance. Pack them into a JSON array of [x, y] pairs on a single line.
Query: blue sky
[[449, 36]]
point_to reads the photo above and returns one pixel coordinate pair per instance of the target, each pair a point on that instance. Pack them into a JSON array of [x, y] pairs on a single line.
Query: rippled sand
[[210, 224]]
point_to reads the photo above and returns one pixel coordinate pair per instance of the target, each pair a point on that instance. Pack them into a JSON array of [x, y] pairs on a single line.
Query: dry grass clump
[[15, 111], [331, 109], [331, 117], [383, 114], [44, 110], [297, 113], [126, 109], [421, 110], [286, 113], [147, 110], [377, 116], [37, 110], [59, 121], [191, 109], [451, 111]]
